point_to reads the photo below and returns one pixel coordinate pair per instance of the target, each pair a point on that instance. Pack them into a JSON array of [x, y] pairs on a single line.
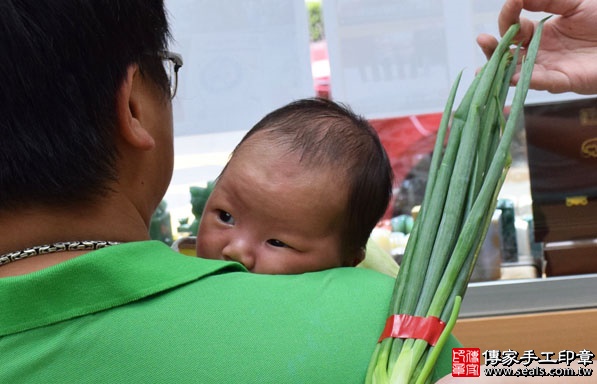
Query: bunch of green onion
[[460, 198]]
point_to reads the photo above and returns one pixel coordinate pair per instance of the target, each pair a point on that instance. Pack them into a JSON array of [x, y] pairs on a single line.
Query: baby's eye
[[277, 243], [225, 217]]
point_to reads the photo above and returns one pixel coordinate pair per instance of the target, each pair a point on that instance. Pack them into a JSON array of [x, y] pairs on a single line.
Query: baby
[[301, 192]]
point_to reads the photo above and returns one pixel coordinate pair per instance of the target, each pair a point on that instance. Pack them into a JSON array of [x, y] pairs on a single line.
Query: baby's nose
[[239, 250]]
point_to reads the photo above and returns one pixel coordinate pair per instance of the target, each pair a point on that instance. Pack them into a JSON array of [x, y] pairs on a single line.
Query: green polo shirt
[[142, 313]]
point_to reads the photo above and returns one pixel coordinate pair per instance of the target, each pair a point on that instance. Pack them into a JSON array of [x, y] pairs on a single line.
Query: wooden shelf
[[542, 332], [542, 314]]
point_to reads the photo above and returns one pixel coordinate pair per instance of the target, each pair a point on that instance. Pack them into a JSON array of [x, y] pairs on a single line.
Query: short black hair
[[326, 133], [61, 65]]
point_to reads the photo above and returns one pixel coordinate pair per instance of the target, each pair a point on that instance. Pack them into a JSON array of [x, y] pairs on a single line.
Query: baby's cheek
[[210, 245], [201, 248]]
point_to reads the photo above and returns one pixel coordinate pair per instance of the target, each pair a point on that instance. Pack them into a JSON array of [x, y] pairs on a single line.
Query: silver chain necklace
[[89, 245]]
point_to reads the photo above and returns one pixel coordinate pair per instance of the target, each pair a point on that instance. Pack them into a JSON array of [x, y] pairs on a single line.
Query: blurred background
[[391, 61]]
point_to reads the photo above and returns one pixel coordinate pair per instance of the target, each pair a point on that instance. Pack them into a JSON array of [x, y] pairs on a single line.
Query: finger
[[487, 43], [527, 28], [509, 14], [516, 77], [557, 7]]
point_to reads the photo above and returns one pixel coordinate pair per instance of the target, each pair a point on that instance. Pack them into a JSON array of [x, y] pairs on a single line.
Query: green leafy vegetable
[[464, 181]]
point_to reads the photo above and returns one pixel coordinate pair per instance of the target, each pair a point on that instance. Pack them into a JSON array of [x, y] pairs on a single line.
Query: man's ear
[[129, 110]]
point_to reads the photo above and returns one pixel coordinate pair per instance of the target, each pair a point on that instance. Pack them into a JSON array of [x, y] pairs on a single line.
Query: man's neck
[[112, 219], [36, 263]]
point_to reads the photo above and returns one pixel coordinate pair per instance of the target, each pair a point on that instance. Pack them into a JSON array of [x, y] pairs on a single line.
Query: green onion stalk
[[465, 177]]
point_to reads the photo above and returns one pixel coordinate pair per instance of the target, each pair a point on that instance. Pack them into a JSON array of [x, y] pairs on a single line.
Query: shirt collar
[[96, 281]]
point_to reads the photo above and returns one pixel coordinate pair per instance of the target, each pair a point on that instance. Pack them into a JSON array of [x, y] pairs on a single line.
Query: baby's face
[[273, 216]]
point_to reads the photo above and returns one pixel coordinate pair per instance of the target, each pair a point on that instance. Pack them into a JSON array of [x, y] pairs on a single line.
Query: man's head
[[63, 64], [302, 191]]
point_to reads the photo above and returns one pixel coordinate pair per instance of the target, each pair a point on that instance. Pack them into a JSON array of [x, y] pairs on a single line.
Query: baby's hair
[[329, 134]]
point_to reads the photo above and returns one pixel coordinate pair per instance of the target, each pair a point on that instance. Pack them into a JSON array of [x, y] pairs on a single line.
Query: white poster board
[[242, 59], [393, 58]]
